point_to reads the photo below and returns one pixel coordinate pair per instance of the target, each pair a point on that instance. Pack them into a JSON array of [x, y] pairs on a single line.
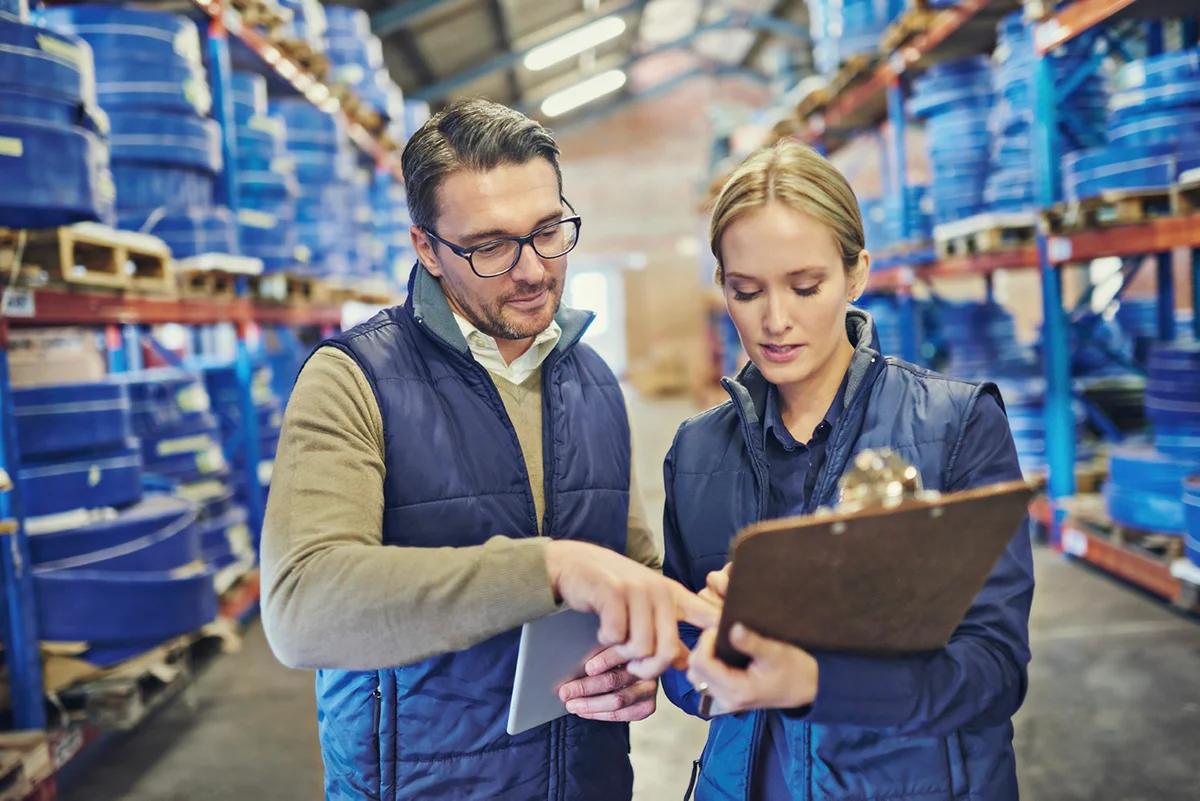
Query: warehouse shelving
[[876, 100], [125, 317]]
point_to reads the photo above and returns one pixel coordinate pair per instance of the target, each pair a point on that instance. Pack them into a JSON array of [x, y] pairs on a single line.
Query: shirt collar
[[773, 424], [487, 352]]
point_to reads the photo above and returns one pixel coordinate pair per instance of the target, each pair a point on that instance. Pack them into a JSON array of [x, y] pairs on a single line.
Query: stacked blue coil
[[1173, 394], [1082, 112], [53, 156], [181, 438], [14, 10], [982, 341], [307, 23], [877, 231], [1145, 488], [842, 29], [1153, 129], [1024, 405], [267, 188], [955, 100], [1138, 318], [882, 309], [165, 151], [221, 381], [391, 226], [356, 55], [1191, 518], [920, 215], [76, 449], [324, 165], [123, 584]]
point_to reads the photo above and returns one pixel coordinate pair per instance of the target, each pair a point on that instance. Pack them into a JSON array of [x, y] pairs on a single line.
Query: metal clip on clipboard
[[892, 569]]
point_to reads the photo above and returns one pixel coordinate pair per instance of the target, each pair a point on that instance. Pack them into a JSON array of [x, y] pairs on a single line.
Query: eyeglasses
[[498, 256]]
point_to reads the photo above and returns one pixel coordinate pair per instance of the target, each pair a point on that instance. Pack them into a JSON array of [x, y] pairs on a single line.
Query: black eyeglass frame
[[522, 241]]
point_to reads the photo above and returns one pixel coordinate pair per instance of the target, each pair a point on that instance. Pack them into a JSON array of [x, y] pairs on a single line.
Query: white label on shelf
[[1058, 248], [11, 146], [1074, 542], [18, 302], [257, 219]]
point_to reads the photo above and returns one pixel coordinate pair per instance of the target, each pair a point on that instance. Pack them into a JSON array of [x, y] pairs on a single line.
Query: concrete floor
[[1113, 712]]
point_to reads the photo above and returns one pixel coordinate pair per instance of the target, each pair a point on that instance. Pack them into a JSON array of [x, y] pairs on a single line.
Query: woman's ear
[[858, 276]]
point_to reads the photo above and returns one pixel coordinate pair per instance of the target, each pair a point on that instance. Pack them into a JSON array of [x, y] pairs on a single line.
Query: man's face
[[476, 207]]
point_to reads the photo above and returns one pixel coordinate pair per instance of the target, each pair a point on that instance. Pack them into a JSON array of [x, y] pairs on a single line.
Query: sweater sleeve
[[640, 544], [979, 679], [333, 595]]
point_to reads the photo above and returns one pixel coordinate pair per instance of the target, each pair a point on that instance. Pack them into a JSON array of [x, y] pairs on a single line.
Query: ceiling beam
[[401, 14], [510, 59], [504, 34]]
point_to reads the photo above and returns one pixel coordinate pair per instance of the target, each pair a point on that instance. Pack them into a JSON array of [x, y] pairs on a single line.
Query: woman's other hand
[[779, 676]]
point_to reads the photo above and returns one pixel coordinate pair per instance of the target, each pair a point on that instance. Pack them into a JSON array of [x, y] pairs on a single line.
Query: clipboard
[[884, 580]]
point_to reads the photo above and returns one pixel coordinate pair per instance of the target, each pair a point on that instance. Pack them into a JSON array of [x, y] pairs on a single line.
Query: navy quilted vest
[[456, 477]]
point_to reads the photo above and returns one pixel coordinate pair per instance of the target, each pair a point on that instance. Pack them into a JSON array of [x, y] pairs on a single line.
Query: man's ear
[[424, 247]]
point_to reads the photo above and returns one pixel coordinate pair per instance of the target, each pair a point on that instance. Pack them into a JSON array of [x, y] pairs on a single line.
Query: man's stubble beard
[[491, 321]]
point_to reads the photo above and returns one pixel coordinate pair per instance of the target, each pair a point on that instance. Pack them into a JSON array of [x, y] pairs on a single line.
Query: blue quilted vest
[[456, 477], [720, 486]]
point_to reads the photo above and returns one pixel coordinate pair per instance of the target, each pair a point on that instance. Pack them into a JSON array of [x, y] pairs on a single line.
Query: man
[[452, 469]]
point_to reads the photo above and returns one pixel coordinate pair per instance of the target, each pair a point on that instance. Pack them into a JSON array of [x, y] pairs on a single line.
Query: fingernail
[[573, 707]]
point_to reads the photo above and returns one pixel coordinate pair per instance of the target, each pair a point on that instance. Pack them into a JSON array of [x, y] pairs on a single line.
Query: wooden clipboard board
[[880, 581]]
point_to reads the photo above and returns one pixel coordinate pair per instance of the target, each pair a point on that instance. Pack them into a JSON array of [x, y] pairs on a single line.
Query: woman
[[788, 240]]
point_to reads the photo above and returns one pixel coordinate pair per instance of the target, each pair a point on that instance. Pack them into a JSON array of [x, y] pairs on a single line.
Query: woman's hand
[[779, 676]]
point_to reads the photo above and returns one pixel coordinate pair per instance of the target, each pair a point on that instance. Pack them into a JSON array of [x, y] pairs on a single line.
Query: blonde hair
[[800, 178]]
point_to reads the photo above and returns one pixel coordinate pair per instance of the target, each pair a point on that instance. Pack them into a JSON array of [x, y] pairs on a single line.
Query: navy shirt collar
[[773, 425]]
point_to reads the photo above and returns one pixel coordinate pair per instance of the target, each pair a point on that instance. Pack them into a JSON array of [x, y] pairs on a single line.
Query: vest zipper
[[548, 368], [760, 720]]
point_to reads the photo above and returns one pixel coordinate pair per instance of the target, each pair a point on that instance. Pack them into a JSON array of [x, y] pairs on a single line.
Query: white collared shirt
[[487, 352]]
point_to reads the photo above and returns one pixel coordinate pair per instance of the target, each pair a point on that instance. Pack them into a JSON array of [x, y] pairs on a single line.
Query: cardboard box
[[49, 356]]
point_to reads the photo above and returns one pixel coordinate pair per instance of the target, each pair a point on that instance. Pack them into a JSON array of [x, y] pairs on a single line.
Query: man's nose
[[529, 268]]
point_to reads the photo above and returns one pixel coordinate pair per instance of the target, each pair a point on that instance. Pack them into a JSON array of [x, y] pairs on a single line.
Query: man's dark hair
[[476, 135]]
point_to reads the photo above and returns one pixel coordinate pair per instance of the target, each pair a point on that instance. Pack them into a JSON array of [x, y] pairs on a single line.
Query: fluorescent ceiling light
[[574, 43], [583, 93]]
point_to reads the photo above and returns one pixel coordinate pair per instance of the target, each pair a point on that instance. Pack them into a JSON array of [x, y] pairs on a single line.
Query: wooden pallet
[[25, 763], [855, 70], [208, 284], [302, 53], [1089, 512], [290, 288], [1111, 209], [1089, 476], [984, 234], [88, 254], [1186, 196]]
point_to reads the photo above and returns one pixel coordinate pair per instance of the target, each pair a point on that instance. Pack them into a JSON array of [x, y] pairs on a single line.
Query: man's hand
[[716, 585], [779, 676], [639, 609], [610, 692]]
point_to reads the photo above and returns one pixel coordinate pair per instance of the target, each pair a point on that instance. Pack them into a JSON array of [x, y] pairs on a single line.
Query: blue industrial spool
[[1173, 386], [71, 418], [147, 82], [308, 127], [347, 21], [1180, 441], [108, 537], [123, 607], [82, 481], [1144, 490], [1158, 98], [190, 231], [250, 90], [1178, 67], [53, 111], [53, 176], [144, 188], [165, 400], [1162, 129], [14, 10], [220, 537], [261, 140], [45, 63], [1091, 173], [1191, 518], [170, 36], [166, 139], [267, 189]]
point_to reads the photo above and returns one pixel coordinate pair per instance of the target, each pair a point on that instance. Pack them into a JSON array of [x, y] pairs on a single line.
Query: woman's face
[[787, 291]]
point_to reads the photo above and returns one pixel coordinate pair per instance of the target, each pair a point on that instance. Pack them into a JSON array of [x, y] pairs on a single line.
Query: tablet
[[553, 651]]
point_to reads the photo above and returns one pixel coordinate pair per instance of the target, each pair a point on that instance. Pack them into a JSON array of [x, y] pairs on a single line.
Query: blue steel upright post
[[1059, 415], [898, 187], [227, 193], [1165, 279], [1196, 293], [22, 649]]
